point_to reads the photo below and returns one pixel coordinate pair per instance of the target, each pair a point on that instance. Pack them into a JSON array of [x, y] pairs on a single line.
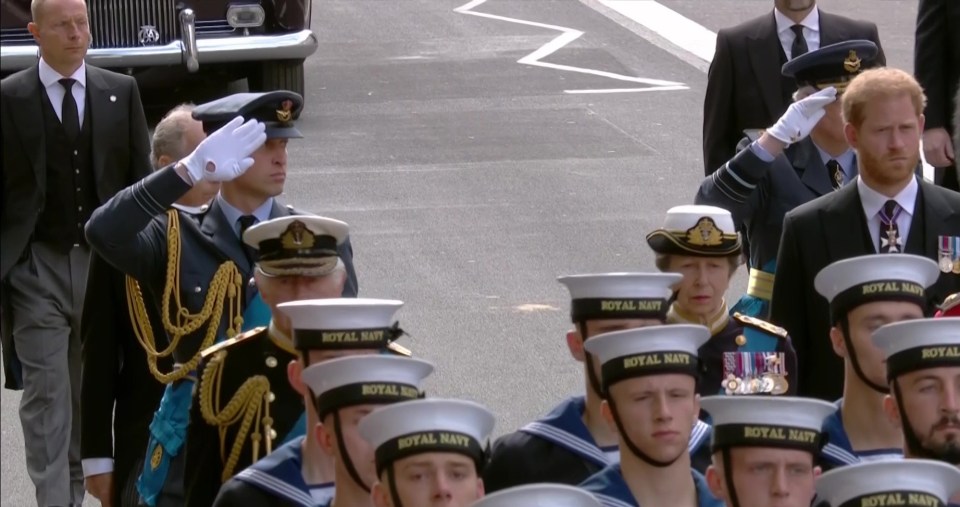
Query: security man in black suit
[[888, 210], [746, 65], [72, 136]]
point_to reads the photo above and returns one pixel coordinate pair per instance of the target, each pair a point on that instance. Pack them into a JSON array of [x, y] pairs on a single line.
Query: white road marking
[[567, 36]]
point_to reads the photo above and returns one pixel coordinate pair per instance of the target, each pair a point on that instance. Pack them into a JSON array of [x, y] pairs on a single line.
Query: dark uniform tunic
[[274, 481], [611, 489]]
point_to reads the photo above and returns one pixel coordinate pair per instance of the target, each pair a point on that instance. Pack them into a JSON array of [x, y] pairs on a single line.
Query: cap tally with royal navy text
[[906, 483], [365, 380], [767, 421], [343, 323], [920, 344], [620, 295], [853, 282]]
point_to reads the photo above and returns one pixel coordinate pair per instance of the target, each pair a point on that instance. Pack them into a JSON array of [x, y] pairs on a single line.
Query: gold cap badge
[[852, 63], [297, 237], [705, 233], [285, 113]]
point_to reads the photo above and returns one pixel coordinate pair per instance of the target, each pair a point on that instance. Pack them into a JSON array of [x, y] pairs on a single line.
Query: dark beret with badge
[[908, 483], [696, 230], [833, 65], [278, 110]]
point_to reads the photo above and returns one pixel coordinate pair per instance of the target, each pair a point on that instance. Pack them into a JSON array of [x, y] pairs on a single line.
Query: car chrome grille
[[132, 23]]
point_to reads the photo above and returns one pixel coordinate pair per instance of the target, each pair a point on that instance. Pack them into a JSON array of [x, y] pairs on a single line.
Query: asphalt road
[[471, 181]]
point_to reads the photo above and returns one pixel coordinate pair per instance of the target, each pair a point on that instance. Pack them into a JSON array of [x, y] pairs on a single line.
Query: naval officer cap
[[653, 350], [834, 65], [298, 245], [365, 380], [908, 483], [277, 110], [853, 282], [343, 323], [920, 344], [415, 427], [767, 421], [539, 495], [620, 295], [703, 231]]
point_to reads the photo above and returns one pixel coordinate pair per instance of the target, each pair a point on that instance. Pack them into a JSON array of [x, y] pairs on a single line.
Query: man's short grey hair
[[169, 137]]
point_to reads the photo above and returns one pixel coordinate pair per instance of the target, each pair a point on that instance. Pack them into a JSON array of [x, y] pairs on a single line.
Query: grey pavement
[[471, 182]]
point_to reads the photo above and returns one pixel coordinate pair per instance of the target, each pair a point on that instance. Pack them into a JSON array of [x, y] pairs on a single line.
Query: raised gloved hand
[[802, 116], [225, 154]]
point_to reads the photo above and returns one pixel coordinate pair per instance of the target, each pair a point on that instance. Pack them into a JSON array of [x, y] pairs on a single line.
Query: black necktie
[[246, 221], [889, 232], [799, 46], [69, 116], [836, 173]]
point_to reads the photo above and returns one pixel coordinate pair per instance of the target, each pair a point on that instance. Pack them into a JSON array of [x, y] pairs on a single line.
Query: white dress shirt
[[873, 202], [811, 30], [51, 83]]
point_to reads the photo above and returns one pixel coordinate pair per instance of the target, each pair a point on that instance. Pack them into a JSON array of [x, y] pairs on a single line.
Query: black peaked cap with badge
[[278, 110], [834, 65]]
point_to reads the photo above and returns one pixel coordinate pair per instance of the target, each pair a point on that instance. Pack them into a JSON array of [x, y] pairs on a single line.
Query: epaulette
[[399, 350], [952, 301], [761, 325], [246, 335]]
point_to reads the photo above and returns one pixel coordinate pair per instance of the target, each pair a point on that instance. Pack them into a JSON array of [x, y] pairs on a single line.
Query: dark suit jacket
[[833, 228], [744, 85], [121, 156]]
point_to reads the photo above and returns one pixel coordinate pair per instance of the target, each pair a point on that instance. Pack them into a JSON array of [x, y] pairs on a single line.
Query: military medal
[[891, 241], [946, 254]]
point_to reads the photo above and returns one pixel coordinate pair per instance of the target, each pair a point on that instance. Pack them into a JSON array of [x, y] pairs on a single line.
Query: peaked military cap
[[653, 350], [297, 245], [343, 323], [853, 282], [278, 110], [767, 421], [833, 65], [620, 295], [909, 483], [920, 344], [362, 380], [431, 425], [539, 495], [693, 229]]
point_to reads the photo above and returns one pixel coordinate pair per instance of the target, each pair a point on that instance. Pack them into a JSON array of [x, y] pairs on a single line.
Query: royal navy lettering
[[912, 499], [630, 305], [389, 390], [658, 359], [442, 438], [353, 336], [940, 352], [892, 287], [788, 434]]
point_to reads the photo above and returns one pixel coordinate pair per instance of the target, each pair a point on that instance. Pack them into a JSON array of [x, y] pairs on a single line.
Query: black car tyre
[[278, 75]]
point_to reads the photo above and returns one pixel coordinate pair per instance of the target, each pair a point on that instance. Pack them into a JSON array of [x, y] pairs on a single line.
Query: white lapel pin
[[113, 98]]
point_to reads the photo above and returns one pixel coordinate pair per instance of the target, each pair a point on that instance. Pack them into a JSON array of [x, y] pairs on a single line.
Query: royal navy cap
[[343, 323], [365, 380], [653, 350], [919, 344], [853, 282], [767, 421], [430, 425], [908, 483], [278, 110], [539, 495], [297, 245], [620, 295], [833, 65], [693, 229]]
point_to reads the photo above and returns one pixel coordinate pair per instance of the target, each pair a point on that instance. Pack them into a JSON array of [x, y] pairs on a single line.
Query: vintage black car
[[157, 41]]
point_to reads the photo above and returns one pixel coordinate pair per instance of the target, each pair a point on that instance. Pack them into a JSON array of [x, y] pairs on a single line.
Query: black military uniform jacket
[[257, 357]]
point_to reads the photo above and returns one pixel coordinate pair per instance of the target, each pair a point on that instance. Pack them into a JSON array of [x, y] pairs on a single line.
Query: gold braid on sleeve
[[226, 288]]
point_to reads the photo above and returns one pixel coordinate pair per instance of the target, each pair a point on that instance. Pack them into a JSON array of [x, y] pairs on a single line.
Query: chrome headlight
[[245, 16]]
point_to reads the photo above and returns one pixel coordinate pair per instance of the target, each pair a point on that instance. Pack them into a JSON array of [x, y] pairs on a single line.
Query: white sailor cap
[[919, 344], [539, 495], [698, 230], [343, 323], [857, 281], [767, 421], [653, 350], [429, 425], [297, 245], [910, 482], [620, 295], [363, 380]]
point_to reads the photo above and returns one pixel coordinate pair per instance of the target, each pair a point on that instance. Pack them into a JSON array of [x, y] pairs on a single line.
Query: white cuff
[[96, 466]]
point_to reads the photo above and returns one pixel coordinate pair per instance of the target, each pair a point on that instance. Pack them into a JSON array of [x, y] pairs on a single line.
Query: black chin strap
[[852, 355], [392, 484], [728, 477], [347, 461], [588, 357], [633, 447], [914, 447]]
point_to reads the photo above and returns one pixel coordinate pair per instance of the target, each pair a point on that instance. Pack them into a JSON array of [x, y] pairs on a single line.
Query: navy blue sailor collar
[[279, 473], [611, 489]]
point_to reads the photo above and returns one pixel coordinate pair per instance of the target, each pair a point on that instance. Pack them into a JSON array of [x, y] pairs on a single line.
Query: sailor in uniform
[[912, 483], [649, 377], [345, 390], [765, 449], [865, 293], [296, 259], [923, 369], [701, 243], [428, 452], [298, 472], [573, 441], [539, 495], [950, 306]]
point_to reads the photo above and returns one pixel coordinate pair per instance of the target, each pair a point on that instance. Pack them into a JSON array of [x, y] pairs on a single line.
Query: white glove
[[225, 154], [802, 116]]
